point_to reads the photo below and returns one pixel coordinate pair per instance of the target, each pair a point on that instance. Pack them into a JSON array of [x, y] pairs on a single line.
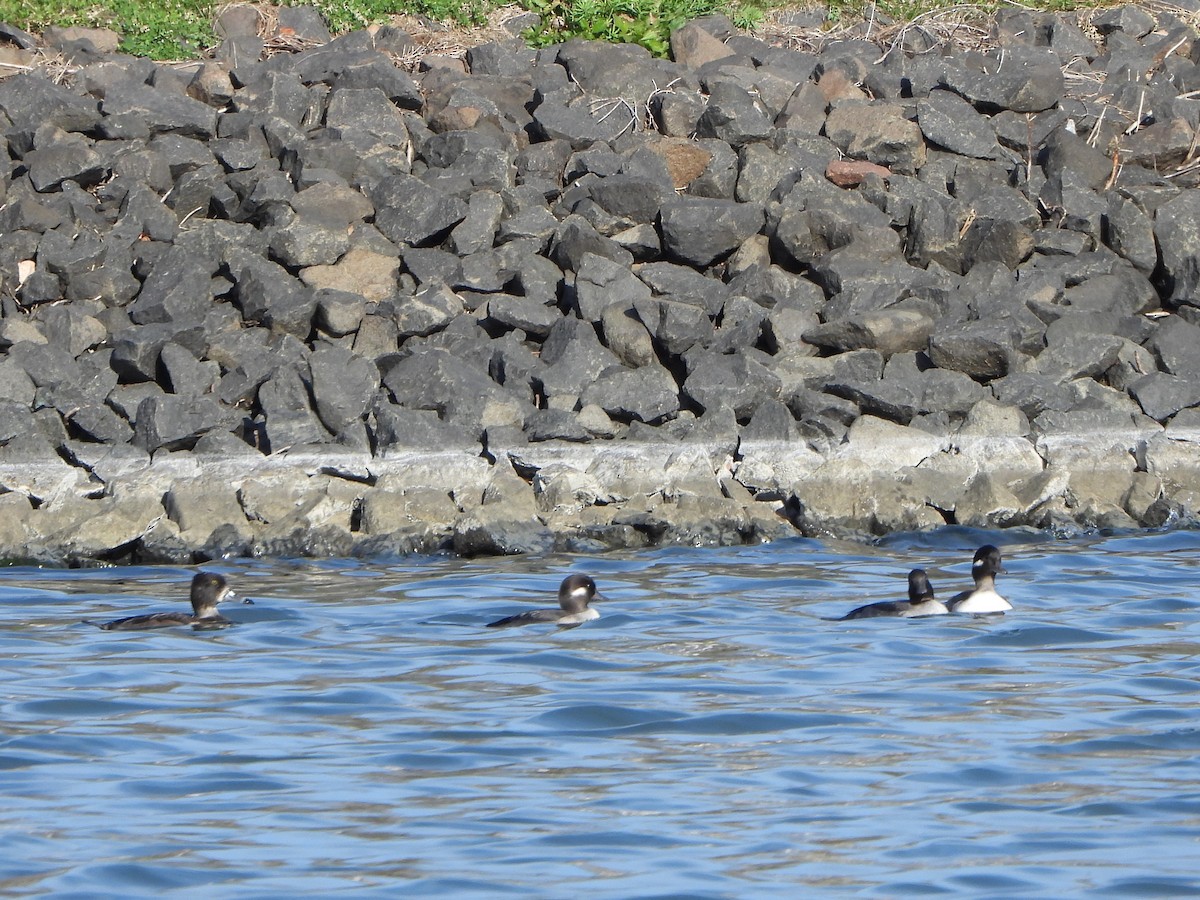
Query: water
[[712, 735]]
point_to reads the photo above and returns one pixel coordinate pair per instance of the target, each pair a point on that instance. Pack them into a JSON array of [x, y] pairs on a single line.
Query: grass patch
[[180, 29], [645, 22]]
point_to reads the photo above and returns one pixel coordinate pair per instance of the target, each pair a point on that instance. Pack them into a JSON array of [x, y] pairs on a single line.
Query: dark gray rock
[[1131, 20], [1032, 393], [581, 123], [500, 536], [1026, 80], [600, 283], [430, 309], [576, 237], [735, 380], [525, 313], [343, 386], [953, 124], [162, 111], [477, 230], [1078, 354], [31, 100], [1161, 395], [303, 242], [276, 94], [907, 390], [1177, 230], [555, 425], [771, 421], [889, 331], [269, 296], [632, 197], [289, 420], [1003, 241], [411, 213], [626, 336], [305, 23], [1130, 233], [616, 70], [399, 428], [1176, 345], [676, 282], [982, 349], [574, 358], [99, 424], [645, 394], [435, 379], [700, 232], [1067, 151], [173, 422], [184, 374], [675, 325], [60, 156], [734, 116]]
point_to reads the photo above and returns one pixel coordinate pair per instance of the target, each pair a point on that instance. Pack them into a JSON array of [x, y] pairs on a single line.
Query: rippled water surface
[[712, 735]]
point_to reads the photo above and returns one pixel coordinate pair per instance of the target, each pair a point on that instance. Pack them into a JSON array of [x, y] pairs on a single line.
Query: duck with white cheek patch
[[574, 595], [984, 598]]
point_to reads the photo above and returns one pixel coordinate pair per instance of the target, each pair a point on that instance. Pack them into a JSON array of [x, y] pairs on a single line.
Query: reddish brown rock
[[851, 172]]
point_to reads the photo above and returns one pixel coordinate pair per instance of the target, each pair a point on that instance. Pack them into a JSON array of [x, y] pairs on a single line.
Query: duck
[[574, 595], [983, 598], [208, 589], [920, 602]]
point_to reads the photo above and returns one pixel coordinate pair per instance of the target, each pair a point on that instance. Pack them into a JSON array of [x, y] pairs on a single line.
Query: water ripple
[[711, 736]]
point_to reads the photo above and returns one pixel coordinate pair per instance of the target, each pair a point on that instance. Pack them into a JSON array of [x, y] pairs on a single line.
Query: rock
[[1161, 395], [494, 534], [732, 115], [367, 111], [878, 133], [429, 310], [162, 111], [646, 394], [699, 232], [888, 331], [851, 173], [733, 380], [1176, 345], [981, 349], [601, 283], [1025, 80], [342, 386], [201, 506], [1177, 230], [289, 419], [411, 213], [574, 358], [953, 124], [370, 275], [270, 297]]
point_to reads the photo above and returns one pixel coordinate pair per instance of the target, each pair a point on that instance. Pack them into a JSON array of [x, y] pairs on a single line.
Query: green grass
[[179, 29]]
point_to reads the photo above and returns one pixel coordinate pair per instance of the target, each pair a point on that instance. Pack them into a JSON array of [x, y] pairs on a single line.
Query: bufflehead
[[207, 591], [983, 599], [574, 595], [920, 602]]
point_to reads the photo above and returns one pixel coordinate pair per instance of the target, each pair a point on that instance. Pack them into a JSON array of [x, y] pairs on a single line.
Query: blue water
[[712, 735]]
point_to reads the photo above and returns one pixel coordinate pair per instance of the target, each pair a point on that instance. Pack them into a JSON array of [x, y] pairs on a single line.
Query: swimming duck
[[920, 602], [574, 595], [208, 590], [983, 598]]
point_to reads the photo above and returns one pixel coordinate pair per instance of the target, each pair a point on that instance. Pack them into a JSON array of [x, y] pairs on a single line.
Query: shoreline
[[312, 303], [185, 508]]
